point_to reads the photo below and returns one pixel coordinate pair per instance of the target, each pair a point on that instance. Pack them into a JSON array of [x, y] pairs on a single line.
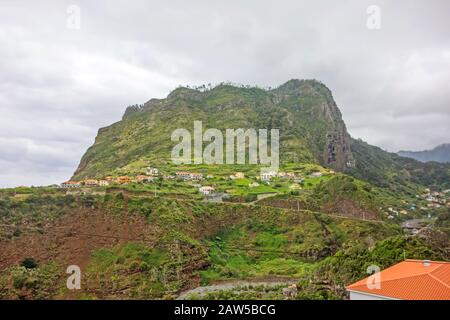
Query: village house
[[151, 171], [183, 175], [123, 180], [217, 197], [298, 180], [206, 190], [109, 179], [189, 175], [91, 183], [267, 176], [70, 184], [142, 178], [316, 174], [103, 183], [407, 280], [239, 175], [196, 176], [393, 211], [295, 186], [73, 192]]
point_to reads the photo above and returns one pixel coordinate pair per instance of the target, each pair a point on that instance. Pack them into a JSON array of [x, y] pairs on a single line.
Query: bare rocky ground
[[71, 239]]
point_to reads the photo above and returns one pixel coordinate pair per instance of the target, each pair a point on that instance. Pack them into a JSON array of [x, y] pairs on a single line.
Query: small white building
[[295, 186], [267, 176], [183, 175], [91, 182], [206, 190], [70, 184], [239, 175], [151, 171], [316, 174], [196, 176], [103, 183]]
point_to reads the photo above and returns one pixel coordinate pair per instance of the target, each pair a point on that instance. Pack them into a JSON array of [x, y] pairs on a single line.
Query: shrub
[[29, 263]]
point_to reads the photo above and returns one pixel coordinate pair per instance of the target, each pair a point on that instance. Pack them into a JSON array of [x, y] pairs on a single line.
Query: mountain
[[310, 124], [440, 153]]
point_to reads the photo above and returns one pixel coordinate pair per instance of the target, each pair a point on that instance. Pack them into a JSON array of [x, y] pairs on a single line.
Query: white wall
[[362, 296]]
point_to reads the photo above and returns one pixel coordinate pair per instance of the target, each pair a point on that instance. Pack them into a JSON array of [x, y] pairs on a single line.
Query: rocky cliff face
[[336, 151], [310, 124]]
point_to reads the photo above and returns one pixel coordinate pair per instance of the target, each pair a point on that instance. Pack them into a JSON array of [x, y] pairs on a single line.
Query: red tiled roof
[[411, 280]]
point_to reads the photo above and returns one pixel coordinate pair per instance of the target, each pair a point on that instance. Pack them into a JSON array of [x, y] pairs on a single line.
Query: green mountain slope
[[310, 124], [389, 170]]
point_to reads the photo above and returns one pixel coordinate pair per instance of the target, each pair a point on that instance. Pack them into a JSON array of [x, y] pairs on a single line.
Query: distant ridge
[[440, 153]]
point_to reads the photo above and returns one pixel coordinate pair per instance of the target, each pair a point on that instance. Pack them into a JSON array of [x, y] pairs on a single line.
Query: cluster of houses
[[152, 174], [267, 176], [436, 199], [190, 177], [393, 212]]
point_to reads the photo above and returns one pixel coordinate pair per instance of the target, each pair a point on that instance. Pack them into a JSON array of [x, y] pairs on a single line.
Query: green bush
[[29, 263]]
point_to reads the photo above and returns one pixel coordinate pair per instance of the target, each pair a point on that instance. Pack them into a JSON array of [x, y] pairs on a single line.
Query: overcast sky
[[59, 84]]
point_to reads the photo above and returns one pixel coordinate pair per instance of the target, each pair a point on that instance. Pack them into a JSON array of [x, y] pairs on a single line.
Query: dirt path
[[230, 285]]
